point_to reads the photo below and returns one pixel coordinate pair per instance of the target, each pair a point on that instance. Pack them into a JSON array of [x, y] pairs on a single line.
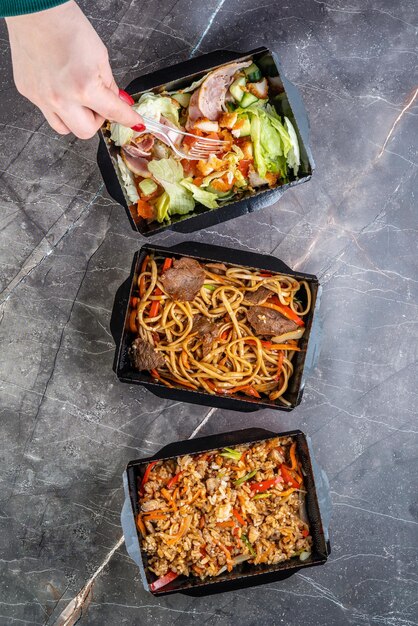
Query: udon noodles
[[239, 360]]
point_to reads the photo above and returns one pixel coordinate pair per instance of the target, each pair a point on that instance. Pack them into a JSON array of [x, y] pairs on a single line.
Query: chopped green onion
[[261, 496], [304, 555], [231, 454], [245, 539], [241, 480], [210, 287]]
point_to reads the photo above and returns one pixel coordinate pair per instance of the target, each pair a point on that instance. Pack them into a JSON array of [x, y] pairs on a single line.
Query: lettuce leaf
[[162, 205], [270, 139], [207, 198], [169, 174], [153, 106], [128, 180], [293, 156], [120, 135]]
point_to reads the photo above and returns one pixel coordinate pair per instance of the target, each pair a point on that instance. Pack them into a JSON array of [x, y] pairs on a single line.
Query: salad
[[232, 103]]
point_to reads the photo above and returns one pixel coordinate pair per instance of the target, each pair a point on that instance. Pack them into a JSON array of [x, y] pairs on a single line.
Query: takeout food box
[[244, 575], [123, 336], [178, 76]]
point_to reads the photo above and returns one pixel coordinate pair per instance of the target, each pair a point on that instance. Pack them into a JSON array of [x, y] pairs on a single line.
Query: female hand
[[62, 66]]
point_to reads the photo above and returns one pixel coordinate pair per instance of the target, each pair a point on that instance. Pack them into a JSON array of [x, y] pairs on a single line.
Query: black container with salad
[[246, 103]]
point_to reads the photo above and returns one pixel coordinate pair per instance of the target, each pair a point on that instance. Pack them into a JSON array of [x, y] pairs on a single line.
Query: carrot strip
[[168, 262], [195, 497], [141, 526], [132, 322], [239, 517], [155, 307], [283, 494], [153, 515], [228, 523]]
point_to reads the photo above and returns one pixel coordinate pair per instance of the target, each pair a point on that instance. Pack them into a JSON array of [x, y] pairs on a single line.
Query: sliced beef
[[269, 322], [258, 297], [207, 331], [184, 280], [143, 356], [209, 100], [217, 268]]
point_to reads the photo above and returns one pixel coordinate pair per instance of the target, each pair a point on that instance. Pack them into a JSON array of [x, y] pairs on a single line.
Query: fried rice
[[204, 514]]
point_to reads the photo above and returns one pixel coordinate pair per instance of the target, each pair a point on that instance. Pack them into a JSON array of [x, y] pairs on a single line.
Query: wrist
[[18, 12]]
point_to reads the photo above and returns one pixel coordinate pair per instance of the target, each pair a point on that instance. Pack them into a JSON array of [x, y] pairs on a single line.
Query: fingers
[[83, 122], [56, 123], [106, 102]]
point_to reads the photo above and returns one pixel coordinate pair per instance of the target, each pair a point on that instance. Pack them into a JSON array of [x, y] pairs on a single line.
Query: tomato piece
[[244, 166], [189, 166]]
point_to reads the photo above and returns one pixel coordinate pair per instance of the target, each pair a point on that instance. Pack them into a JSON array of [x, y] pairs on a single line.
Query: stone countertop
[[69, 427]]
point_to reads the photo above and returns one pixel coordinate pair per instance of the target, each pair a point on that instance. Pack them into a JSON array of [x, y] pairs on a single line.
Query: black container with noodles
[[287, 102], [316, 510], [124, 337]]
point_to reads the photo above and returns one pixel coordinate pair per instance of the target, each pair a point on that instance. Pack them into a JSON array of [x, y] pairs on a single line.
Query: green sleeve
[[10, 8]]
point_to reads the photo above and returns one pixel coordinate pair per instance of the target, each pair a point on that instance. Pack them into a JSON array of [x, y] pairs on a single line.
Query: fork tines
[[204, 148]]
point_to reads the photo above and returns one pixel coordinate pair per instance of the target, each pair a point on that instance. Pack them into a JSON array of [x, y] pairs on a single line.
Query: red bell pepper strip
[[167, 264], [274, 303], [265, 484], [305, 532], [163, 580], [146, 476], [173, 480], [288, 478]]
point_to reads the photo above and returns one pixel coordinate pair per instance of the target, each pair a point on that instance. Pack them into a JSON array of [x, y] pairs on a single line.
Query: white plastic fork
[[200, 150]]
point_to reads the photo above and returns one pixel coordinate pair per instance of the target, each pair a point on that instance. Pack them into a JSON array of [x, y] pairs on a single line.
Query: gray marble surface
[[68, 427]]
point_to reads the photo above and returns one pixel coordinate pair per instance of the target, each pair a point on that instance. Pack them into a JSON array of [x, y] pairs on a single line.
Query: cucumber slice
[[245, 129], [147, 187], [253, 73], [237, 88], [182, 98], [248, 99]]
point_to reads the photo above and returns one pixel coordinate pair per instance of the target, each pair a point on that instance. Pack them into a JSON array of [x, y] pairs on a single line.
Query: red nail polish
[[138, 127], [126, 97]]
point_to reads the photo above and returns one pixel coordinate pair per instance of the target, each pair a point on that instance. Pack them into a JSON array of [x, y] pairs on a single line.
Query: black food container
[[287, 102], [123, 337], [244, 575]]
